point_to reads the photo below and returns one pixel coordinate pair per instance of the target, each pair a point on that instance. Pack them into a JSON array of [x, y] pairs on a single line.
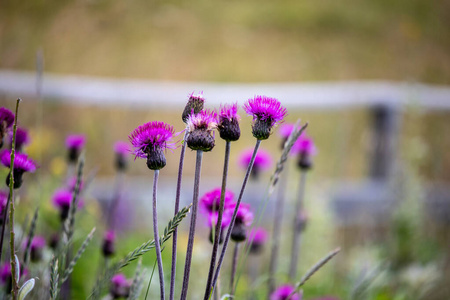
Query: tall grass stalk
[[233, 218], [190, 246], [156, 236], [177, 207], [218, 230], [297, 232]]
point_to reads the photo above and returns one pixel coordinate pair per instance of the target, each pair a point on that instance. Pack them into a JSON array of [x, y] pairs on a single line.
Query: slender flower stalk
[[156, 237], [233, 268], [298, 227], [177, 207]]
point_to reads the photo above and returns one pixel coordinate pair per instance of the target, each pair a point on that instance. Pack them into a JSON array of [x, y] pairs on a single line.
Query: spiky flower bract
[[6, 121], [22, 138], [283, 292], [200, 127], [228, 125], [22, 164], [266, 112], [194, 106], [74, 145], [150, 140], [244, 218]]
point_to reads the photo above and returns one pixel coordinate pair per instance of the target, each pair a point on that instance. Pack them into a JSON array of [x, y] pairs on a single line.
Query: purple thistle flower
[[283, 292], [244, 218], [120, 286], [200, 127], [229, 122], [22, 164], [266, 112], [5, 272], [122, 150], [62, 199], [257, 238], [109, 240], [194, 105], [263, 161], [72, 182], [22, 138], [212, 223], [3, 201], [150, 140], [74, 144], [210, 201], [305, 149], [36, 248], [286, 130], [6, 121]]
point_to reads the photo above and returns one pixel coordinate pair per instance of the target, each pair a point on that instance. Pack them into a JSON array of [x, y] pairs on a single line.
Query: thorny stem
[[233, 268], [219, 221], [156, 237], [14, 270], [190, 246], [177, 207], [227, 238], [296, 239], [278, 217]]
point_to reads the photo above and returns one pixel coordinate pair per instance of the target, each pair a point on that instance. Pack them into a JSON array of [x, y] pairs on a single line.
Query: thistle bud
[[194, 106]]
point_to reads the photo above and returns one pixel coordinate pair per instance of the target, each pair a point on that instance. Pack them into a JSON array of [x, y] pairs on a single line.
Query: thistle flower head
[[210, 201], [21, 161], [263, 161], [5, 272], [229, 122], [286, 130], [150, 140], [38, 242], [257, 238], [200, 127], [266, 112], [305, 149], [283, 292], [120, 286], [226, 218], [22, 138], [72, 182], [122, 150], [3, 200], [194, 106], [108, 247], [244, 218], [74, 145], [62, 198], [6, 118]]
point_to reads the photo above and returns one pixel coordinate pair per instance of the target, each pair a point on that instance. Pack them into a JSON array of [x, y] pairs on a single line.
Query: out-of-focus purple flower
[[74, 144], [263, 161], [22, 164], [211, 200], [62, 199], [5, 272], [150, 140], [3, 201], [122, 150], [109, 241], [283, 292], [200, 127], [120, 286], [244, 218], [194, 106], [212, 222], [266, 112], [257, 238], [6, 121], [228, 124], [22, 138], [305, 149], [72, 182], [286, 130], [36, 248]]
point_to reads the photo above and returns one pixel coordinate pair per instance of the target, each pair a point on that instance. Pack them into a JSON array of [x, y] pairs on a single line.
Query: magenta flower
[[72, 182], [62, 198], [122, 150], [257, 238], [36, 248], [226, 218], [6, 121], [263, 161], [286, 130], [194, 106], [150, 140], [244, 218], [5, 272], [305, 149], [266, 112], [200, 127], [74, 145], [3, 201], [109, 240], [283, 292], [228, 124], [210, 201], [22, 164], [120, 286], [121, 147], [22, 138]]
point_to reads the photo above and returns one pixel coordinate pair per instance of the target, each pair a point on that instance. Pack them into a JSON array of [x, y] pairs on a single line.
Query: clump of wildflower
[[283, 292], [244, 218], [266, 112], [109, 241], [22, 139], [257, 239], [120, 286], [150, 140], [228, 125], [263, 161], [6, 121], [200, 127], [22, 164], [121, 150], [62, 198], [305, 149], [74, 145], [194, 105]]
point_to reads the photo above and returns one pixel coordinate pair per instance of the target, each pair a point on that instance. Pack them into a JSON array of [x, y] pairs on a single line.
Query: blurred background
[[370, 77]]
